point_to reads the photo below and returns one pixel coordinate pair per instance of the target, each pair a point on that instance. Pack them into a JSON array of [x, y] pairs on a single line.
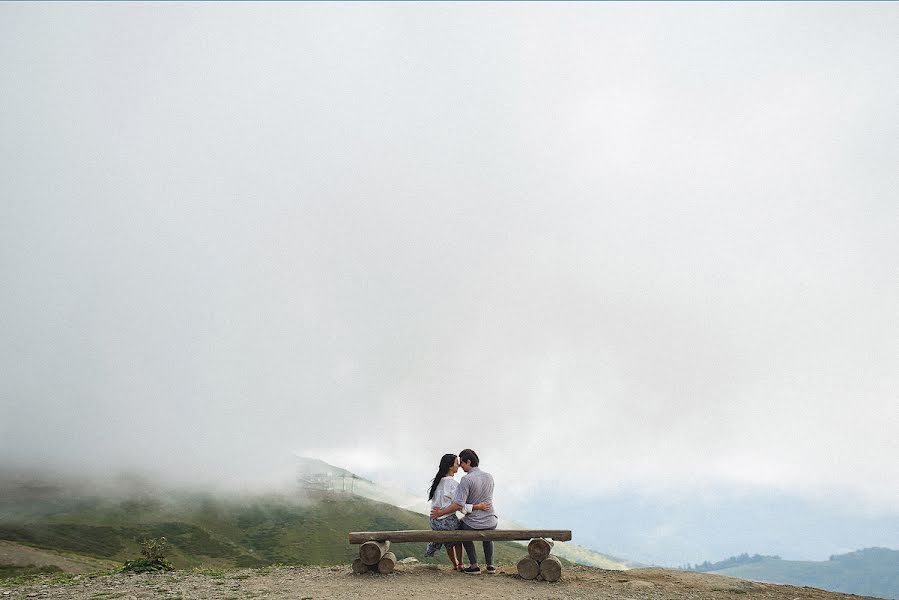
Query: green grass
[[213, 573], [54, 577], [11, 571]]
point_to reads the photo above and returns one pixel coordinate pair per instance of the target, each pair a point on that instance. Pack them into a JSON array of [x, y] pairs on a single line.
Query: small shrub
[[154, 560], [153, 548]]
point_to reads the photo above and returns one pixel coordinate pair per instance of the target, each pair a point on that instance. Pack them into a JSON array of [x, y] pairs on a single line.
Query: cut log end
[[551, 568], [359, 567], [372, 552], [539, 549], [387, 563], [528, 568]]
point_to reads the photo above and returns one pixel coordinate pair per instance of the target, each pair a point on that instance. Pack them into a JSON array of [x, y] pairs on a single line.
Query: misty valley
[[53, 526]]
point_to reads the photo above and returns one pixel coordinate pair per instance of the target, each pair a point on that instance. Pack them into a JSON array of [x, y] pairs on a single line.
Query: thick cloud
[[656, 244]]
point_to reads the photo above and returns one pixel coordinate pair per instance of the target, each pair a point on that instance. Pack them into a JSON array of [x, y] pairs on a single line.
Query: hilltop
[[423, 582]]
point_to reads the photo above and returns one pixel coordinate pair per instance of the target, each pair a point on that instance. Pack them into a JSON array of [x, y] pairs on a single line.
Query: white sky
[[613, 246]]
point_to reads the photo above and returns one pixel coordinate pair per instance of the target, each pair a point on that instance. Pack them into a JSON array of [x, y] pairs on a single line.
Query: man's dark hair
[[469, 455]]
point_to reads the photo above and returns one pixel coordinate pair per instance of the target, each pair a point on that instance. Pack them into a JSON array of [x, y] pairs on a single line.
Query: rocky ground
[[418, 582]]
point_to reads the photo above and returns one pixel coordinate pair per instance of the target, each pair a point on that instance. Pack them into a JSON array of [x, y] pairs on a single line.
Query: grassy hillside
[[18, 559], [870, 572], [584, 556], [580, 555], [203, 530]]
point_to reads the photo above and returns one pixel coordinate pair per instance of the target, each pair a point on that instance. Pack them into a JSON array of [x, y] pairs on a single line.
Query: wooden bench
[[375, 554]]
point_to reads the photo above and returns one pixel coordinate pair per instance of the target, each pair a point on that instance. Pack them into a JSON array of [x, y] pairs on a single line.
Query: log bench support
[[540, 564], [375, 557]]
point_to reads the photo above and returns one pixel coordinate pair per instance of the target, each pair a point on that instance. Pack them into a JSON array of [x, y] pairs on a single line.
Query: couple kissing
[[473, 497]]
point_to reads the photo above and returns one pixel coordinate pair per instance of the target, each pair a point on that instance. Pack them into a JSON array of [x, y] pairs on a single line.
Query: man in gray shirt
[[475, 487]]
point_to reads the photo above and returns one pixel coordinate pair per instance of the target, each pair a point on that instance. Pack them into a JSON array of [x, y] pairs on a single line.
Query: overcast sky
[[641, 247]]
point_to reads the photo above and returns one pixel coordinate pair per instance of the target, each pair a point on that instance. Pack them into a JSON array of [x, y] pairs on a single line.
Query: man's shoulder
[[481, 474]]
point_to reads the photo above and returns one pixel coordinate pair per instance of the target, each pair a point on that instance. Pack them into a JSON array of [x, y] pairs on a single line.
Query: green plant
[[154, 559], [153, 548]]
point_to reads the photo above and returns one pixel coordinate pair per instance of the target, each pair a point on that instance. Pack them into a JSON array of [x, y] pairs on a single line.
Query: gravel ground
[[418, 582]]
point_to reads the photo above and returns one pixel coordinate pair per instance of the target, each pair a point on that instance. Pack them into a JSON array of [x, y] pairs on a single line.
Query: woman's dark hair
[[445, 463], [469, 455]]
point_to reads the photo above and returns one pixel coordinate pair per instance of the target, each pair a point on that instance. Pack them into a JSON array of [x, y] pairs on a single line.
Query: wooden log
[[387, 563], [528, 568], [459, 535], [551, 568], [539, 549], [372, 552], [359, 567]]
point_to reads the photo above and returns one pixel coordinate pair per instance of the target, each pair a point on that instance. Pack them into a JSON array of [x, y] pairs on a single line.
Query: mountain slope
[[19, 559], [210, 531], [872, 571], [305, 526]]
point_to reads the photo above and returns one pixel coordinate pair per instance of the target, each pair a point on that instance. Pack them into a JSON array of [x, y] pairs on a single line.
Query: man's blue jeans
[[472, 553]]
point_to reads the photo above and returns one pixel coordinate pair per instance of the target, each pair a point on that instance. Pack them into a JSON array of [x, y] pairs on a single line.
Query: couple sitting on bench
[[473, 497]]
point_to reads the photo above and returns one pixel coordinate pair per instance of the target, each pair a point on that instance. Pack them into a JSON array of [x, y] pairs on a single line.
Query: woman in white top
[[443, 488]]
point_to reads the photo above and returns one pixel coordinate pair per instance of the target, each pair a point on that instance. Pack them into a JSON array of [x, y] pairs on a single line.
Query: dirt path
[[418, 582]]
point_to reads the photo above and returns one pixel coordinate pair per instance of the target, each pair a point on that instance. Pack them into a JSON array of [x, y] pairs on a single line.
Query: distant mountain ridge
[[870, 572]]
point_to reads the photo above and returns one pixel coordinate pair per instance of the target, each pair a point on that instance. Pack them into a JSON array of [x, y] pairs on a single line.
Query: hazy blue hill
[[870, 572]]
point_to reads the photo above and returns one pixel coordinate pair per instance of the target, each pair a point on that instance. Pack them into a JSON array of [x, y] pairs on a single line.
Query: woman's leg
[[451, 553], [454, 524]]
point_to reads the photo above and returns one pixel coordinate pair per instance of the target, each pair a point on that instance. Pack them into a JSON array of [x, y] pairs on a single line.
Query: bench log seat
[[459, 535]]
